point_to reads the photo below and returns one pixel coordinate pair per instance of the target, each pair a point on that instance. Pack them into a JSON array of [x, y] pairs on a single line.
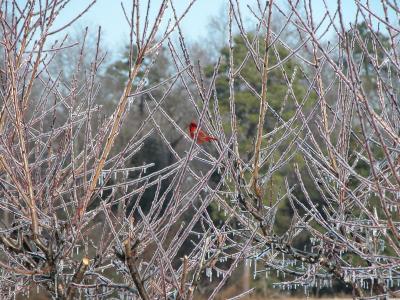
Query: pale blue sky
[[109, 15]]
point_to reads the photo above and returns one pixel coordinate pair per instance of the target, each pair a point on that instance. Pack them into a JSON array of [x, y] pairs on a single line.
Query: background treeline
[[104, 194]]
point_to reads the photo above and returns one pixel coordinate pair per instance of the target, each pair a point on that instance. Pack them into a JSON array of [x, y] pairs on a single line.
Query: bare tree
[[73, 221]]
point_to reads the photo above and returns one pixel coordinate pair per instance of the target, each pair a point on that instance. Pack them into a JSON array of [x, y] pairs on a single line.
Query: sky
[[115, 31]]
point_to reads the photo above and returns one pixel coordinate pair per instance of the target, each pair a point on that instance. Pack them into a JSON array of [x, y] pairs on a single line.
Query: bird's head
[[192, 126]]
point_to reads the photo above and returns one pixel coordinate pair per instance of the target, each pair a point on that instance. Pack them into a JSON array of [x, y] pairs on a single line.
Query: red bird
[[202, 137]]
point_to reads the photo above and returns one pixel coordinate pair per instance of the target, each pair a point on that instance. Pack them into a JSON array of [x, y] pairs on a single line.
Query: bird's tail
[[211, 138]]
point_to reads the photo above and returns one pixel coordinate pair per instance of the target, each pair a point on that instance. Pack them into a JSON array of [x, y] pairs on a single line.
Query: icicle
[[382, 245], [126, 175], [255, 269], [209, 273], [56, 286], [130, 101], [101, 178], [345, 276]]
